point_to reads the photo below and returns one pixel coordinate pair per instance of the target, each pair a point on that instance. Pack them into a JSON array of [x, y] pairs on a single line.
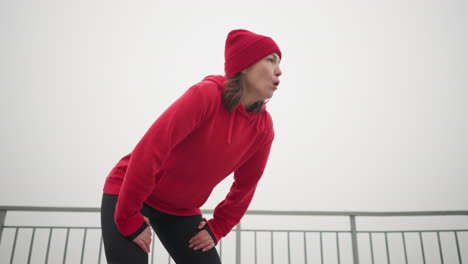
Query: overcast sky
[[371, 113]]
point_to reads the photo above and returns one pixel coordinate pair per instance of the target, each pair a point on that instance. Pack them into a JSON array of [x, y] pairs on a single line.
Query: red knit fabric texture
[[244, 48]]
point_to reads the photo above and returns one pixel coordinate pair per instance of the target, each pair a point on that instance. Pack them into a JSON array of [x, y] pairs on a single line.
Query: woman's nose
[[278, 71]]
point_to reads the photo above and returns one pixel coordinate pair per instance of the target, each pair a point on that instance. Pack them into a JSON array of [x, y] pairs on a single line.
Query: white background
[[371, 113]]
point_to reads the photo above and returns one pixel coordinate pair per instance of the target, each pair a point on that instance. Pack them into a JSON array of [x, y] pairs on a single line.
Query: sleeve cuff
[[207, 228], [136, 233], [214, 230]]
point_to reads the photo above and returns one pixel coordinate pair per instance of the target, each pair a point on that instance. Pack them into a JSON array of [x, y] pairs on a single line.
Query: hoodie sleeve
[[178, 121], [228, 213]]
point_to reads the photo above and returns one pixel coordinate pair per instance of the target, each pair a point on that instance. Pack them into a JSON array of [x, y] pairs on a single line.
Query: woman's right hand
[[144, 238]]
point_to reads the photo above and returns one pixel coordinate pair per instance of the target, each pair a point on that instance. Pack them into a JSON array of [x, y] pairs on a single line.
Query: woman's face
[[262, 78]]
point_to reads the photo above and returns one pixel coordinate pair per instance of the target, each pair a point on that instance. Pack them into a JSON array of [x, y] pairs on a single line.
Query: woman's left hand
[[202, 240]]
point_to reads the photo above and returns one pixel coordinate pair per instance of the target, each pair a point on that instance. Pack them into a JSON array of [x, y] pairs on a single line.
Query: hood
[[218, 79], [239, 110]]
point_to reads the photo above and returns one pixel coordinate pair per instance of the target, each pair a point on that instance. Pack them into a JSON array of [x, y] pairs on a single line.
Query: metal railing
[[20, 243]]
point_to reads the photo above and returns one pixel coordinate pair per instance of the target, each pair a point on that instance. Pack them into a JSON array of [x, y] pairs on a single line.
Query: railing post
[[2, 222], [354, 239], [238, 243]]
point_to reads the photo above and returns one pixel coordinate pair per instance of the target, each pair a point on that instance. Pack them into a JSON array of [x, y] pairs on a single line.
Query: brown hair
[[233, 93]]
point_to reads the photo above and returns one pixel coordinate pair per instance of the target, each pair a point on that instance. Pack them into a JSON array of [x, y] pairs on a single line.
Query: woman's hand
[[144, 238], [202, 240]]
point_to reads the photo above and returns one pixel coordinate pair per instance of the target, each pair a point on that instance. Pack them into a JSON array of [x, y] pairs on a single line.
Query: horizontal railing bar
[[268, 230], [55, 227], [294, 230], [357, 213], [414, 231], [252, 212], [344, 231], [50, 209]]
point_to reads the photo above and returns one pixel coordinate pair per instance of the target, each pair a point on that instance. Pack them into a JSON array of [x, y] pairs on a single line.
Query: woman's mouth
[[276, 83]]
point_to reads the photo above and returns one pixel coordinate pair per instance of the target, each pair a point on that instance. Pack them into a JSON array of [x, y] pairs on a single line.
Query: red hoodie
[[188, 150]]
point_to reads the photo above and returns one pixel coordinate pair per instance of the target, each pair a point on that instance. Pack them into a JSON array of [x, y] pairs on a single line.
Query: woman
[[218, 126]]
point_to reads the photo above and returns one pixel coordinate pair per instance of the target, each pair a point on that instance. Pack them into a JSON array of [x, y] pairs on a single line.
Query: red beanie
[[244, 48]]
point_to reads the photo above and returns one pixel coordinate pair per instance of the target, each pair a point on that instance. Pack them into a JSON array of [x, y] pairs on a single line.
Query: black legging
[[173, 231]]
